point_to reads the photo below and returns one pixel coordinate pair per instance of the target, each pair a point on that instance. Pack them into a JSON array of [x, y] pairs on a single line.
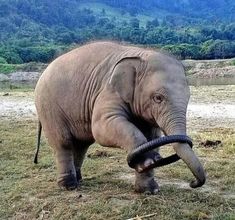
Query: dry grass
[[29, 191]]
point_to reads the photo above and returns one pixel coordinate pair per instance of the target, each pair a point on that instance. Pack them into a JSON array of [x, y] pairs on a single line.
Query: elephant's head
[[156, 90]]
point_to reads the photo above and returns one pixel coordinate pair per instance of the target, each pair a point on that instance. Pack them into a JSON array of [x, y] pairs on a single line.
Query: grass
[[29, 191], [233, 62], [6, 87], [9, 68], [111, 12]]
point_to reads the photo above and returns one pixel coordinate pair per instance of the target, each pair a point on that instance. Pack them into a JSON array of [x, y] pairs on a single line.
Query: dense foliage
[[40, 30]]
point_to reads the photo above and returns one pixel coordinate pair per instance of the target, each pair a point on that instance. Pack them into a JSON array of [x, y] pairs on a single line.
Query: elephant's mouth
[[181, 140]]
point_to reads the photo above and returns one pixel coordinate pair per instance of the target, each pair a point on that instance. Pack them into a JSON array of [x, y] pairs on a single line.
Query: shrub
[[3, 60], [7, 68]]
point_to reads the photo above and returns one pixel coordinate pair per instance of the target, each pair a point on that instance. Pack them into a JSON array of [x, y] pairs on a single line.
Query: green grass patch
[[29, 191], [122, 15], [9, 87], [233, 62], [33, 66], [7, 68]]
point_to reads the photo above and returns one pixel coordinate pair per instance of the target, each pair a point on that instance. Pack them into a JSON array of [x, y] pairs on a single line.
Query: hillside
[[207, 10], [40, 30]]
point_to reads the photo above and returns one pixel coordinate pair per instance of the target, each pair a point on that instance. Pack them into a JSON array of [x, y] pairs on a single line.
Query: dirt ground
[[209, 106]]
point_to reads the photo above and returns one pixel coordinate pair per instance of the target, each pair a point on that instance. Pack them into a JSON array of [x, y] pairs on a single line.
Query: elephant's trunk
[[185, 152]]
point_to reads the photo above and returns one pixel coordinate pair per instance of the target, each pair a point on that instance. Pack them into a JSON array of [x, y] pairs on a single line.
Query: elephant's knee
[[99, 132]]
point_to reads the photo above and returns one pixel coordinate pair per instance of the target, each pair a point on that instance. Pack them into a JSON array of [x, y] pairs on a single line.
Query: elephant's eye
[[158, 98]]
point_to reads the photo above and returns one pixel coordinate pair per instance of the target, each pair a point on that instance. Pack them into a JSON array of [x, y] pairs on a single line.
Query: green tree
[[135, 23], [152, 24], [3, 60], [184, 51]]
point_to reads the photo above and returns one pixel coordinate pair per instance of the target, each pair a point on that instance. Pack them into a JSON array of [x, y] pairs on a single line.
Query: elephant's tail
[[38, 142]]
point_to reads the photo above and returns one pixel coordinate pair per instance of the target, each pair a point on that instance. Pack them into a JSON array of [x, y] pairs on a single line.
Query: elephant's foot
[[68, 181], [145, 183]]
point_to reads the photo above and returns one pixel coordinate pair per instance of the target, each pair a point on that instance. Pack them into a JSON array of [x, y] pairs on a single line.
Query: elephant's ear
[[123, 77]]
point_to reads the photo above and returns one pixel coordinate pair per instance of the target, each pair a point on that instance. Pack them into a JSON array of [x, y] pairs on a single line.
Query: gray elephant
[[119, 96]]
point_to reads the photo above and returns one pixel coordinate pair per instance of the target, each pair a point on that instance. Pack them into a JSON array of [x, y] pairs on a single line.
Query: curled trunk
[[185, 152]]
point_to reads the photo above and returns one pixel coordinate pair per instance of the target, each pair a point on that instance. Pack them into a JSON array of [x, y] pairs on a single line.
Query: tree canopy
[[40, 30]]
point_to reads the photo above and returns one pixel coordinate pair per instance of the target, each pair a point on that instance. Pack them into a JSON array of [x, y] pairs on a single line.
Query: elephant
[[118, 96]]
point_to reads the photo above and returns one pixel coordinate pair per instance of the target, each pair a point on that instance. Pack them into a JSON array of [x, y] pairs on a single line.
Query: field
[[29, 191]]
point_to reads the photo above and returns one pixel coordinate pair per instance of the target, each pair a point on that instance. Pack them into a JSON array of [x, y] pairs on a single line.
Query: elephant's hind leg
[[67, 177], [62, 141]]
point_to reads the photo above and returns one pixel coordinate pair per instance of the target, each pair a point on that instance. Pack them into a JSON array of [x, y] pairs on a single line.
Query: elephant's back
[[77, 67], [89, 55], [86, 58], [68, 87], [81, 61]]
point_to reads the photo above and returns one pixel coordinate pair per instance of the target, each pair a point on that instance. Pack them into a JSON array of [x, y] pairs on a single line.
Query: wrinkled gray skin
[[119, 96]]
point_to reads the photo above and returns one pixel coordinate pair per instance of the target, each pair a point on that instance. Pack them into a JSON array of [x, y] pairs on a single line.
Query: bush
[[7, 68], [11, 56], [3, 60], [218, 49], [37, 54], [184, 51]]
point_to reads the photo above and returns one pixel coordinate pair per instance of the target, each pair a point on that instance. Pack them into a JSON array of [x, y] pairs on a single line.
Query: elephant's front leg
[[117, 131], [145, 181]]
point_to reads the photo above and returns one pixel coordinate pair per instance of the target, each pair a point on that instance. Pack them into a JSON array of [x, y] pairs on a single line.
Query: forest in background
[[40, 30]]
